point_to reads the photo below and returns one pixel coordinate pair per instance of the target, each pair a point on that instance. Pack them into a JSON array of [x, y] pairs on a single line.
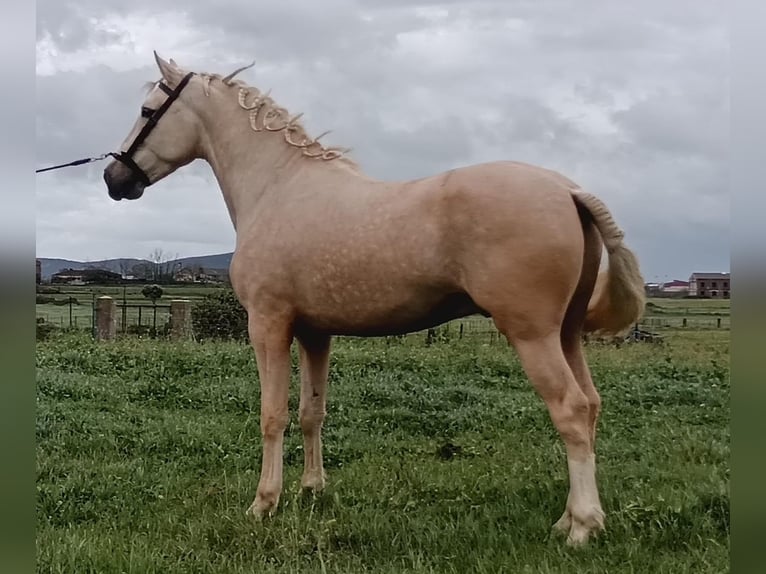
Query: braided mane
[[266, 115]]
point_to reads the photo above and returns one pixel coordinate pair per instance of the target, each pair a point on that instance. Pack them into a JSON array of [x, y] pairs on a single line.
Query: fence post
[[684, 322], [719, 323], [106, 320], [180, 319], [93, 314]]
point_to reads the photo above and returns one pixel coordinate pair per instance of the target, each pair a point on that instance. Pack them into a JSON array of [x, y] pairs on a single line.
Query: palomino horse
[[323, 250]]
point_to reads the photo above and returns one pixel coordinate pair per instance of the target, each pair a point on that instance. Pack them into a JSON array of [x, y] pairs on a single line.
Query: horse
[[324, 250]]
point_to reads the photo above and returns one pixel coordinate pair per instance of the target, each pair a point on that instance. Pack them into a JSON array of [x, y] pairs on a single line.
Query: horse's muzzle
[[122, 183]]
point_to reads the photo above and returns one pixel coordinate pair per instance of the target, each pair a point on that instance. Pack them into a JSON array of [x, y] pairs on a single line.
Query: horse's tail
[[618, 297]]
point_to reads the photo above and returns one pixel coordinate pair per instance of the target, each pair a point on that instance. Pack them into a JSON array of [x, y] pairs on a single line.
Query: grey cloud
[[68, 25], [678, 124], [494, 89], [84, 114]]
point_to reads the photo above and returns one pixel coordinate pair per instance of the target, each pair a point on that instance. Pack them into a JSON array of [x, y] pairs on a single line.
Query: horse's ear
[[169, 70]]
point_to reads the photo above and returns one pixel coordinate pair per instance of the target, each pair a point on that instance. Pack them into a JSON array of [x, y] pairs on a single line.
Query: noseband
[[126, 157]]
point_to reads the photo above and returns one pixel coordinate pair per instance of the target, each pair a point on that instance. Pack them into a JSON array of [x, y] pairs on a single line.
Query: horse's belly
[[373, 318]]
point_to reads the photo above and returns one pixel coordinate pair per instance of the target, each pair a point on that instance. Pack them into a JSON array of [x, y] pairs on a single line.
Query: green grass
[[149, 452], [706, 314], [692, 305], [694, 309]]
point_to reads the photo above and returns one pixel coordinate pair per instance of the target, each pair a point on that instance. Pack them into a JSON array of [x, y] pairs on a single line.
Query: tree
[[124, 268], [139, 270], [162, 265], [152, 292]]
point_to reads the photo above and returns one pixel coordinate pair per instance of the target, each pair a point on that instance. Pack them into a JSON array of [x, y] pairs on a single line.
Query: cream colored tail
[[618, 298]]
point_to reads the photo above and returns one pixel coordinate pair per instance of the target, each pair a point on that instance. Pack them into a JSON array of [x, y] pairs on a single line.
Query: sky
[[629, 99]]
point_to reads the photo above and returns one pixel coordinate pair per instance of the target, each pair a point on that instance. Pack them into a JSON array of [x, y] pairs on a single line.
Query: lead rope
[[76, 162]]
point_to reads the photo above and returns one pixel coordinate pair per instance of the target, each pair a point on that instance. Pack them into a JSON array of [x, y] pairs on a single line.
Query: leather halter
[[126, 157]]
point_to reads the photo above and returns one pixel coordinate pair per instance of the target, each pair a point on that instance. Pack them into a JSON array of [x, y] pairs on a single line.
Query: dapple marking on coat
[[322, 249]]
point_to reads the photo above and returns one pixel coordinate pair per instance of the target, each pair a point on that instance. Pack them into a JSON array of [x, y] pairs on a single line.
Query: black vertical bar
[[124, 308]]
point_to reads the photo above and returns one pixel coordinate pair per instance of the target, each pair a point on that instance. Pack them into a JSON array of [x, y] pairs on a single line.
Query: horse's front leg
[[271, 340], [315, 360]]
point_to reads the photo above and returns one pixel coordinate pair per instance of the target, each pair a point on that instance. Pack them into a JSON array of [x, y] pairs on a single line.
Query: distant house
[[214, 275], [197, 274], [185, 275], [653, 289], [85, 277], [675, 287], [710, 285]]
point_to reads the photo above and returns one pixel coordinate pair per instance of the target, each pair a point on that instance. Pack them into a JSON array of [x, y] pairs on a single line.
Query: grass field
[[439, 459]]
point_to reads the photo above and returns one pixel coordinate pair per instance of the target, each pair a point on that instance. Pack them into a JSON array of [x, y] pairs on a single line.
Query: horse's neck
[[250, 165]]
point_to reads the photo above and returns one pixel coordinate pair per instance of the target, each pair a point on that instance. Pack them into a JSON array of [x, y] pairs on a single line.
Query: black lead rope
[[76, 162]]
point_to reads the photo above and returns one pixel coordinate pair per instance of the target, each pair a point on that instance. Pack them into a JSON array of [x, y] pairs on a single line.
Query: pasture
[[440, 458]]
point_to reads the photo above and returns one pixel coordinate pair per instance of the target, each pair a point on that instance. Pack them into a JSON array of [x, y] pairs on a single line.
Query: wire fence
[[135, 317], [132, 318]]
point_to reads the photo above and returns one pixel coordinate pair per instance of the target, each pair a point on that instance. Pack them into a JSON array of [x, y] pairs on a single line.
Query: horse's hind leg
[[549, 372], [530, 310], [572, 345], [314, 366]]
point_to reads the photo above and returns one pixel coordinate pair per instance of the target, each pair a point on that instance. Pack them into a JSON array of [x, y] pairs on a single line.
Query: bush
[[162, 330], [220, 316], [45, 299], [44, 329], [145, 330], [152, 292]]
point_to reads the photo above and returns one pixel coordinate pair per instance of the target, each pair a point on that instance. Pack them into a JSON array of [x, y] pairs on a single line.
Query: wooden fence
[[108, 314]]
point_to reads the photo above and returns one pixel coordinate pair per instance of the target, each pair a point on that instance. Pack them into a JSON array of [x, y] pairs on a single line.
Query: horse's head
[[166, 136]]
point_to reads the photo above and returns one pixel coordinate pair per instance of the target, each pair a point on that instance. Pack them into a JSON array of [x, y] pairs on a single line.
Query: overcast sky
[[628, 98]]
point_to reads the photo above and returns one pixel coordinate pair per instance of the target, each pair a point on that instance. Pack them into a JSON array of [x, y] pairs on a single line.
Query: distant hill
[[220, 261], [49, 266]]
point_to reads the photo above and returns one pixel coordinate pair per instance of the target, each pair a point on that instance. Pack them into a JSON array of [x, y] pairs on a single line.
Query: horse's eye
[[146, 112]]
